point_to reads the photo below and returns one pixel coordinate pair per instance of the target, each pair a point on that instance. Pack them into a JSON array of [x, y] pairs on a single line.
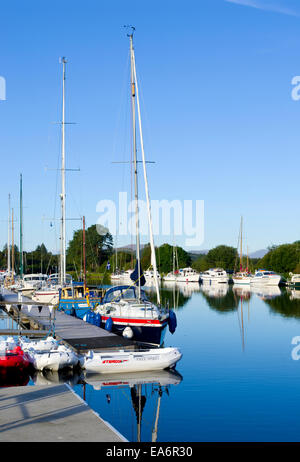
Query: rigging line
[[146, 123]]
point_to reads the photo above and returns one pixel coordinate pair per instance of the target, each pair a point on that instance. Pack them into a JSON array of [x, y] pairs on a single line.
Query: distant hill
[[193, 254], [258, 254]]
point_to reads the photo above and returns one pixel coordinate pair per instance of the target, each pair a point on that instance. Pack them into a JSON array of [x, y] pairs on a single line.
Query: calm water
[[237, 380]]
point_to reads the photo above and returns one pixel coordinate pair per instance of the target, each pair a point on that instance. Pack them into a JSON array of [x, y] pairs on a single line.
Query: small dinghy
[[8, 343], [14, 359], [39, 345], [137, 361], [55, 359]]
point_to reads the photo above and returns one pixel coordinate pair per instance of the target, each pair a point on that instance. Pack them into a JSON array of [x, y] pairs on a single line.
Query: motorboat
[[150, 277], [131, 361], [187, 275], [214, 275], [294, 281], [49, 293], [31, 283], [242, 277], [266, 278], [77, 300], [132, 315]]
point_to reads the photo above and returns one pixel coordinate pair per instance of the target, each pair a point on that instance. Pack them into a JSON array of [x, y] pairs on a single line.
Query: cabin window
[[128, 293]]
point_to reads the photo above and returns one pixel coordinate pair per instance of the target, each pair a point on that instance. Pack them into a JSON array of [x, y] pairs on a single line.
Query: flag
[[135, 275]]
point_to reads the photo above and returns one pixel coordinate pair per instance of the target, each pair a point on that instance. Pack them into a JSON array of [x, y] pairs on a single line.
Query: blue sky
[[219, 120]]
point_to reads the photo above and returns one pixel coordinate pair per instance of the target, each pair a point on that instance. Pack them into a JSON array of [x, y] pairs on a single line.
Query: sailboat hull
[[145, 332]]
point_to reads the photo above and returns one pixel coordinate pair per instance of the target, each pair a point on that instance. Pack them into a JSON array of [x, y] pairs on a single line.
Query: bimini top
[[115, 294]]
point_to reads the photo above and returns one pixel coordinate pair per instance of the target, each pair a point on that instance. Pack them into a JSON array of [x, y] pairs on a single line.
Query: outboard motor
[[172, 321]]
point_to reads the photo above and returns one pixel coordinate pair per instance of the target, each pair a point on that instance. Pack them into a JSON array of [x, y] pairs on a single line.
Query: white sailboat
[[243, 276], [50, 292], [126, 308]]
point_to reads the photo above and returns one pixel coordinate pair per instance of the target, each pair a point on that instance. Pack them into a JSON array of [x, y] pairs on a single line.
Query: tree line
[[101, 257]]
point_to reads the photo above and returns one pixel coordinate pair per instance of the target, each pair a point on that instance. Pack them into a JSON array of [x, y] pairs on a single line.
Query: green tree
[[164, 257], [98, 247], [222, 256]]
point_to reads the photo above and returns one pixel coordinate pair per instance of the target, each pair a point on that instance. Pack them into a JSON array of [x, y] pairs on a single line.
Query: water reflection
[[266, 292], [220, 297], [142, 388]]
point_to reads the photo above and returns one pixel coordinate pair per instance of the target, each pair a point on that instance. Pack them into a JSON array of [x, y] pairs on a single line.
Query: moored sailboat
[[243, 276], [125, 309]]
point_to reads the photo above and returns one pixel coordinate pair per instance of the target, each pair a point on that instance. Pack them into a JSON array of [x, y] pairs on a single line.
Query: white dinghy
[[39, 345], [8, 343], [128, 361], [55, 359]]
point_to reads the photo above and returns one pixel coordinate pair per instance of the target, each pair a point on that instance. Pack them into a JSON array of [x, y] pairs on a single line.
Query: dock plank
[[50, 414]]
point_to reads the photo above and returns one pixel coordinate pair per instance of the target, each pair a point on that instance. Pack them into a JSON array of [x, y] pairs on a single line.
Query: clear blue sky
[[219, 120]]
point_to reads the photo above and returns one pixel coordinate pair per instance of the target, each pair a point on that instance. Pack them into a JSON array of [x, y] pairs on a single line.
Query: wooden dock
[[75, 332], [50, 414], [53, 413]]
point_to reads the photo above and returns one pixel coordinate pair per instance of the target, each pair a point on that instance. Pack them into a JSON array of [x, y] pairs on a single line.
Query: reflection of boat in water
[[143, 386], [242, 291], [48, 377], [265, 292], [215, 290], [163, 378], [294, 294], [183, 287]]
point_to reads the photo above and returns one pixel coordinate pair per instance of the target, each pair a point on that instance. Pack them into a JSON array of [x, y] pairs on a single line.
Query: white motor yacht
[[32, 282], [266, 278], [214, 275], [49, 293], [188, 275]]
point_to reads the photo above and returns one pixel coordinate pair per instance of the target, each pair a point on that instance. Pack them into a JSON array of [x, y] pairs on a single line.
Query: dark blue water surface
[[237, 380]]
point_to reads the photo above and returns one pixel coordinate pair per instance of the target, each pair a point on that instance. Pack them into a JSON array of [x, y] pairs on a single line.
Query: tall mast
[[12, 245], [241, 250], [84, 257], [63, 182], [153, 256], [8, 237], [21, 228], [132, 66]]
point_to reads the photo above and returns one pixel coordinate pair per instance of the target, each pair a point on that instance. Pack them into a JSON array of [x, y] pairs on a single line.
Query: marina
[[241, 363], [150, 257]]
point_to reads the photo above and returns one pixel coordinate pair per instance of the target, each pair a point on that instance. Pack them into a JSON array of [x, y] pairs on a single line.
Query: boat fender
[[92, 317], [88, 316], [127, 332], [98, 319], [109, 324], [73, 312], [172, 321]]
